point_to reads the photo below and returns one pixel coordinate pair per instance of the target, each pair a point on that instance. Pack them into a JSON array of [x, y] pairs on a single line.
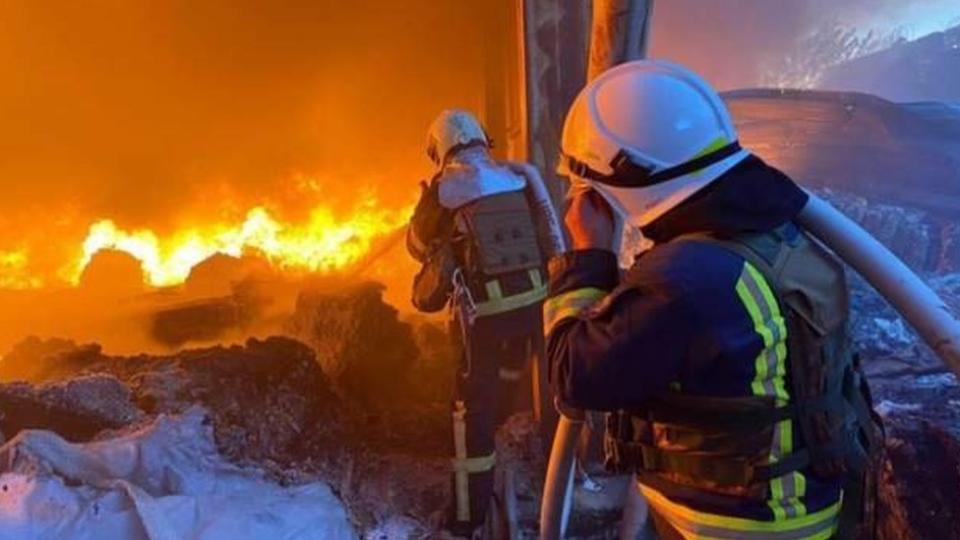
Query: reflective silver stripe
[[700, 525], [786, 490], [770, 350], [825, 528]]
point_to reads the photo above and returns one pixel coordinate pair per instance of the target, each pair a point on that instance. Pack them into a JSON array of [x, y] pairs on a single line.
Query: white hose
[[557, 500], [916, 302]]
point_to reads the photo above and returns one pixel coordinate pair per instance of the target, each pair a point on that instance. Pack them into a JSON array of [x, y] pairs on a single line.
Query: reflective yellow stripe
[[786, 491], [497, 303], [475, 464], [568, 304], [460, 477], [493, 290], [717, 144], [781, 328], [694, 525]]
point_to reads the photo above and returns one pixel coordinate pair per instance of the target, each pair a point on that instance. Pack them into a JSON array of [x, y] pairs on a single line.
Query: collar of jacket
[[751, 197]]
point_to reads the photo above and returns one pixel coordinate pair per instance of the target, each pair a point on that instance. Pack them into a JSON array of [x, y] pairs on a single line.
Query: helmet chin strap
[[629, 174]]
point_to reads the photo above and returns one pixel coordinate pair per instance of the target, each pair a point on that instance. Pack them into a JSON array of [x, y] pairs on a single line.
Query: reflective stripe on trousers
[[463, 465]]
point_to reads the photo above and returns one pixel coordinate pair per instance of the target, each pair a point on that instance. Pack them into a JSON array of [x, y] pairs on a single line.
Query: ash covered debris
[[926, 241], [918, 398], [359, 402], [359, 340], [77, 408], [270, 404], [920, 481], [261, 396]]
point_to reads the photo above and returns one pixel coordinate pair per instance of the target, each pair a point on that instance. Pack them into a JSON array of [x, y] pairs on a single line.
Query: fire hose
[[913, 299]]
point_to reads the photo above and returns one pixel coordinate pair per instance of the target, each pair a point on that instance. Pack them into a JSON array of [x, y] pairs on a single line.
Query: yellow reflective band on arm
[[787, 491], [569, 304], [694, 525], [497, 303], [474, 465]]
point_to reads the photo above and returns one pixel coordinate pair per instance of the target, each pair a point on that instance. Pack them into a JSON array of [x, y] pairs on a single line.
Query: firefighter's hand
[[590, 221]]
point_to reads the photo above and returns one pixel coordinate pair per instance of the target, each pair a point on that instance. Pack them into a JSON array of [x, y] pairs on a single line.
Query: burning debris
[[313, 414], [226, 361], [322, 243]]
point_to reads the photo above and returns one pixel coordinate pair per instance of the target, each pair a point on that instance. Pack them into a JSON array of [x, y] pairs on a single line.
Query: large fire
[[322, 243]]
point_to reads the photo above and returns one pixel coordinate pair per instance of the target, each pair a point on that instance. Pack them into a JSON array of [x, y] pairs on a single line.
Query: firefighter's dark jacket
[[430, 223], [678, 321], [684, 322]]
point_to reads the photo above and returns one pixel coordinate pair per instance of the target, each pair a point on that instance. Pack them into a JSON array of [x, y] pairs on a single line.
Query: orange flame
[[321, 244], [14, 271]]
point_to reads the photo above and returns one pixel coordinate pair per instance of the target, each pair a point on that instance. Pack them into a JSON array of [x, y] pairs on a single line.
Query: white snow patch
[[893, 330], [937, 380], [397, 528], [886, 407]]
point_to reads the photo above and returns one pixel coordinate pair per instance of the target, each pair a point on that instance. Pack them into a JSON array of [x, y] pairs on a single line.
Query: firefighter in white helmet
[[722, 354], [483, 231]]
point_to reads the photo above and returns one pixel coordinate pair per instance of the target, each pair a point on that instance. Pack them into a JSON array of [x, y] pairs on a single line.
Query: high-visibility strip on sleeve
[[568, 304]]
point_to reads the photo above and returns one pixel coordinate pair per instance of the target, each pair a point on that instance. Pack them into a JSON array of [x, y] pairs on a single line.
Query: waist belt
[[498, 303]]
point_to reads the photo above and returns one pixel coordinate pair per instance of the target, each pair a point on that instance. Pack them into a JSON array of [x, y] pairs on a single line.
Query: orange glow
[[323, 243]]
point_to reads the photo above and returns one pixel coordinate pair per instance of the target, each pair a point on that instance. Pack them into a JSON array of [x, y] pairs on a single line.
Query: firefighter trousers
[[492, 383]]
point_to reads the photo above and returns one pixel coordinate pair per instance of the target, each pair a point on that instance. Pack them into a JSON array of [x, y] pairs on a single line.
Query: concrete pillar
[[620, 33]]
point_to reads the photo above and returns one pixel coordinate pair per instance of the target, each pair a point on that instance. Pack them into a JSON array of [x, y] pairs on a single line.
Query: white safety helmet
[[647, 135], [453, 130]]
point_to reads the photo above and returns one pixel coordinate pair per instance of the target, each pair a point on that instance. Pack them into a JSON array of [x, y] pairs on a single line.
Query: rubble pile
[[260, 396], [920, 481], [271, 403], [918, 398], [926, 241], [357, 399], [77, 408], [349, 331]]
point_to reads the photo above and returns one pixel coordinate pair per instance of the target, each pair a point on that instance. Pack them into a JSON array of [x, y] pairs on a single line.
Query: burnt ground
[[374, 426]]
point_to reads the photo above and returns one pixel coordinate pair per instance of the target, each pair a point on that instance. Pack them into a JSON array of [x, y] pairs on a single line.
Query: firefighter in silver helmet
[[483, 231]]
